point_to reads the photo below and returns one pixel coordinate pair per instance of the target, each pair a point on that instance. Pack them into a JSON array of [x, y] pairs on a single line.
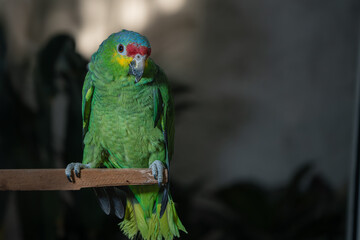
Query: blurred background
[[265, 112]]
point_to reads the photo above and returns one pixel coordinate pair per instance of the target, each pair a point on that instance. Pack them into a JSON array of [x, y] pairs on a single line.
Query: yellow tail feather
[[151, 228]]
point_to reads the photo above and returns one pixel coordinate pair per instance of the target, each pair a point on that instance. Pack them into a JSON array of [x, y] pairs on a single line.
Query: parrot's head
[[126, 52]]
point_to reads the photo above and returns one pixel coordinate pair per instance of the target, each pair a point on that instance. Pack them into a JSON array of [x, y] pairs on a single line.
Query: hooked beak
[[137, 66]]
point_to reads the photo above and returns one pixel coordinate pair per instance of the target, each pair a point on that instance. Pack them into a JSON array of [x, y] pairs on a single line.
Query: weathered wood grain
[[55, 179]]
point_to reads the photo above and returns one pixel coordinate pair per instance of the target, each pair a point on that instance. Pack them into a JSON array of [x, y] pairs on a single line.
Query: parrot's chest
[[124, 119], [123, 105]]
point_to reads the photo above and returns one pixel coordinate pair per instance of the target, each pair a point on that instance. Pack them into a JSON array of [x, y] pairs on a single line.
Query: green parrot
[[128, 122]]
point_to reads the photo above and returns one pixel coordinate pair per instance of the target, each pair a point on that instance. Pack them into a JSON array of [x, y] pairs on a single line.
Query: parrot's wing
[[164, 112], [87, 93], [164, 118], [94, 73]]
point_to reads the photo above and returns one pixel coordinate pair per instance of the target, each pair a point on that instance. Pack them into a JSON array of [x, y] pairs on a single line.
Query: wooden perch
[[55, 179]]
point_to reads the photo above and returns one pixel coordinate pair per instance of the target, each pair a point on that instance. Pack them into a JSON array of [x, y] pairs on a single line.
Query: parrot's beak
[[137, 66]]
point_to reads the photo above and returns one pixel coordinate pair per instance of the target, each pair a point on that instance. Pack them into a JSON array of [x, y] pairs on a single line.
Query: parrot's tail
[[140, 217]]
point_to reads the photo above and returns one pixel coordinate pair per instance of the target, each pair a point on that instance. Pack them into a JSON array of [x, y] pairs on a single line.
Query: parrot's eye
[[121, 48]]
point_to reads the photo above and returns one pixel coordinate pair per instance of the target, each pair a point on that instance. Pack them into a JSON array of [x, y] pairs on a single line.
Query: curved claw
[[76, 167], [69, 178], [157, 168], [68, 169], [77, 170]]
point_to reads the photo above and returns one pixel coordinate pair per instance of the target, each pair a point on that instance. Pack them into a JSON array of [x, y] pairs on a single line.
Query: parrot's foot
[[76, 167], [157, 168]]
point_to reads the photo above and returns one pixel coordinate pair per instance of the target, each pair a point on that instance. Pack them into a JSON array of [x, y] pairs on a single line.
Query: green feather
[[88, 90], [158, 108]]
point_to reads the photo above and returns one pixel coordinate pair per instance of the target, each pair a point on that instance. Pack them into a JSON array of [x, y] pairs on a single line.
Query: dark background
[[265, 100]]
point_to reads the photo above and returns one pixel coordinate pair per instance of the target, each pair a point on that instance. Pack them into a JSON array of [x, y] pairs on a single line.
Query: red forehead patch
[[132, 49]]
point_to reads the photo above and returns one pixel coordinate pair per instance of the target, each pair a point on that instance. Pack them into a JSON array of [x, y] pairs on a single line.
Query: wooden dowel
[[55, 179]]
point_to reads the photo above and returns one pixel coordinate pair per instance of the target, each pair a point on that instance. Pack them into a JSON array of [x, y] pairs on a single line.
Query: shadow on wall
[[305, 208]]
